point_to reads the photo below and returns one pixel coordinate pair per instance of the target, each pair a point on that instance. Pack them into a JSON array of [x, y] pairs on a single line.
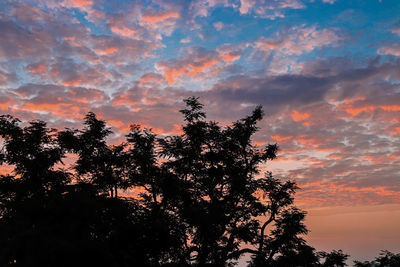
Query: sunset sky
[[327, 73]]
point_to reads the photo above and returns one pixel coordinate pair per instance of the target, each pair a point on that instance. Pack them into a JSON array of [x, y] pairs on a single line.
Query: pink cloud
[[394, 50], [83, 4], [159, 16], [68, 73], [299, 116], [86, 6], [197, 62], [396, 30], [329, 1]]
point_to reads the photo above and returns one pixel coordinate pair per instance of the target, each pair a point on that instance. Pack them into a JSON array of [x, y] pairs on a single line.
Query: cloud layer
[[330, 91]]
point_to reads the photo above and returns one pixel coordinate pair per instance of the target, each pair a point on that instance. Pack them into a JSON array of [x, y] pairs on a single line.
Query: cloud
[[218, 25], [63, 50], [329, 1], [86, 6], [338, 130], [67, 72], [198, 62], [285, 48], [394, 50], [52, 101], [336, 120], [153, 17], [185, 40], [298, 40], [81, 4], [6, 78], [346, 157], [396, 30], [268, 9], [298, 116]]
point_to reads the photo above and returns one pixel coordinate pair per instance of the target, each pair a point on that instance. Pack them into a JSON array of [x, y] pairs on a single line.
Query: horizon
[[325, 71]]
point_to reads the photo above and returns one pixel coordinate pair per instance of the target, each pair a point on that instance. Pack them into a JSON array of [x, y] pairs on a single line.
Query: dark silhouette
[[200, 200], [336, 258], [99, 164], [385, 258]]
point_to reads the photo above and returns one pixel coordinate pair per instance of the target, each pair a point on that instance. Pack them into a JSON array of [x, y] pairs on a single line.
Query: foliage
[[336, 258], [385, 258]]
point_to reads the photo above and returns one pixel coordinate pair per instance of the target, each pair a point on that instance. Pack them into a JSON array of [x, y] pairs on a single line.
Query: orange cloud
[[81, 4], [171, 73], [161, 16], [106, 50], [396, 130], [281, 139], [124, 99], [198, 61], [299, 116], [39, 68], [151, 79], [124, 31], [230, 57], [57, 109], [72, 82], [357, 110], [6, 105], [268, 44]]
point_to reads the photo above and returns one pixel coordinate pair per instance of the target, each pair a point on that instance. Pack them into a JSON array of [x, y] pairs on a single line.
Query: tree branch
[[262, 230], [238, 253]]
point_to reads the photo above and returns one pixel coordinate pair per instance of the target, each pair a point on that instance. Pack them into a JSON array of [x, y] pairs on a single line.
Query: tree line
[[199, 198]]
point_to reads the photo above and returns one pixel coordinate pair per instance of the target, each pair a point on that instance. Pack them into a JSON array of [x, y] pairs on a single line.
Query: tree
[[34, 152], [200, 197], [98, 163], [336, 258], [363, 264], [219, 200], [162, 229], [302, 255], [385, 258], [48, 221]]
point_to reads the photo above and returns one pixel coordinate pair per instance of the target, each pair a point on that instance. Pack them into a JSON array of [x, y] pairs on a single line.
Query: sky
[[327, 73]]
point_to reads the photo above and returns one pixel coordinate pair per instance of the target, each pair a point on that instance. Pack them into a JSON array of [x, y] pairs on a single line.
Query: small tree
[[385, 258], [336, 258], [99, 164], [34, 152]]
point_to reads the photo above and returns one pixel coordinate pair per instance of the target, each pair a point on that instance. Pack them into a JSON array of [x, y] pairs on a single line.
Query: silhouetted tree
[[302, 255], [385, 258], [336, 258], [163, 228], [221, 200], [34, 152], [200, 199], [363, 264], [47, 221], [98, 163], [44, 221]]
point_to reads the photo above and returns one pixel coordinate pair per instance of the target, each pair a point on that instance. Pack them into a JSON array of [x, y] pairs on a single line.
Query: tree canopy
[[200, 199]]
